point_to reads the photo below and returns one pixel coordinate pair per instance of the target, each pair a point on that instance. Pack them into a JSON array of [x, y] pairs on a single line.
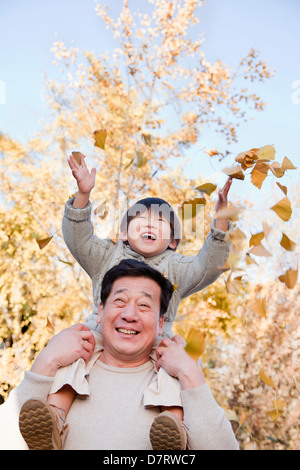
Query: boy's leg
[[62, 399]]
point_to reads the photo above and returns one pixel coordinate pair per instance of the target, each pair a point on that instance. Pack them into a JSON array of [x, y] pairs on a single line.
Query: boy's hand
[[222, 224], [85, 180]]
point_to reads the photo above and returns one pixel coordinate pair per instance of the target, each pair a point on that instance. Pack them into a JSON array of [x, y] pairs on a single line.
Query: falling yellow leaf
[[78, 157], [44, 242], [212, 152], [256, 239], [287, 165], [260, 306], [49, 325], [207, 188], [100, 138], [266, 379], [283, 209], [290, 278], [287, 243], [101, 211], [247, 159], [276, 169], [249, 260], [260, 250], [141, 159], [266, 153], [195, 343], [259, 174], [266, 229], [283, 188], [235, 172]]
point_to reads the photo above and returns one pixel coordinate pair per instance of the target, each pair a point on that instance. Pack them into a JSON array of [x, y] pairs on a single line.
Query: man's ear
[[160, 325], [99, 314]]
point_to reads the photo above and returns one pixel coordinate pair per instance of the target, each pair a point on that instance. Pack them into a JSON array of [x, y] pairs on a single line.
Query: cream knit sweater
[[114, 416]]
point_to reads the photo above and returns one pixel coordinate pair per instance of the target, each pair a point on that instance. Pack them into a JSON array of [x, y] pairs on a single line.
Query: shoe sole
[[166, 434], [37, 426]]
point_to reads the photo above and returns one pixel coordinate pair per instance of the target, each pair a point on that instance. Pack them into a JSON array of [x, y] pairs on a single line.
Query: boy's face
[[149, 234]]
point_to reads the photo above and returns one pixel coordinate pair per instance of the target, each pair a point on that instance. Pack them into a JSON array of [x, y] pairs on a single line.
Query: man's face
[[130, 321], [149, 234]]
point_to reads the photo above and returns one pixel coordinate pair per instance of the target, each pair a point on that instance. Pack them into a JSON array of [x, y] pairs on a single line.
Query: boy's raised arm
[[85, 180]]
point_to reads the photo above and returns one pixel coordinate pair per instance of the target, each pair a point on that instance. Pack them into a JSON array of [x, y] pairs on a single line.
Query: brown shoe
[[42, 426], [167, 433]]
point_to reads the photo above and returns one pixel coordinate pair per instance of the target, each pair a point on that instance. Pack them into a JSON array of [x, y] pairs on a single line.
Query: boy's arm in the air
[[194, 273], [78, 231]]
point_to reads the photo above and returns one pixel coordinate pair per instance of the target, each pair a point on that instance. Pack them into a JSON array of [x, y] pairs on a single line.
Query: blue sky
[[231, 27]]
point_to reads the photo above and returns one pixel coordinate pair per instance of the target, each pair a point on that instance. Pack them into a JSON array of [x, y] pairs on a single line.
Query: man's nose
[[130, 313]]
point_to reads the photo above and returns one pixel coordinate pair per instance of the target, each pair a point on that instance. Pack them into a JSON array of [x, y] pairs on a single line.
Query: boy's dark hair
[[156, 204], [134, 268]]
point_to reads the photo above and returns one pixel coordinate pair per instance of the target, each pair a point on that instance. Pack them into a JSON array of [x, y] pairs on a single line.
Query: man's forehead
[[136, 285]]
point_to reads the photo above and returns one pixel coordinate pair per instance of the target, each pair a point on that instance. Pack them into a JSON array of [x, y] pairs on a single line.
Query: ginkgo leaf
[[287, 243], [247, 159], [235, 172], [147, 139], [141, 160], [260, 306], [287, 165], [283, 188], [100, 138], [290, 278], [266, 229], [276, 169], [43, 242], [49, 325], [249, 260], [283, 209], [256, 239], [266, 153], [195, 343], [212, 152], [78, 157], [259, 174], [207, 188], [260, 250], [266, 379], [101, 211]]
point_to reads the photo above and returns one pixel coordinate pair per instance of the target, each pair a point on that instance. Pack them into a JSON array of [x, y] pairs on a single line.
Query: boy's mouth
[[148, 236]]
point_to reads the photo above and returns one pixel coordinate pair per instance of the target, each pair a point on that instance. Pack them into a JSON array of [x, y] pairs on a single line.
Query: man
[[114, 416]]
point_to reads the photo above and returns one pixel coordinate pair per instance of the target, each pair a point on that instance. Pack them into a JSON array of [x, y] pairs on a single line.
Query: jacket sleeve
[[194, 273], [205, 421], [78, 231]]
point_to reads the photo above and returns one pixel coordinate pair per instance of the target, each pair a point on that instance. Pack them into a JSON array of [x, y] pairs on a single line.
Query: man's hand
[[173, 358], [222, 224], [85, 180], [63, 349]]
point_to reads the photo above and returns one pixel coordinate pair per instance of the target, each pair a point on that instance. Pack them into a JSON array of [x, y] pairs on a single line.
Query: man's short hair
[[134, 268], [156, 205]]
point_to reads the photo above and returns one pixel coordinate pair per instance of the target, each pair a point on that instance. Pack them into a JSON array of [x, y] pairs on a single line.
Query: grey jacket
[[96, 256]]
